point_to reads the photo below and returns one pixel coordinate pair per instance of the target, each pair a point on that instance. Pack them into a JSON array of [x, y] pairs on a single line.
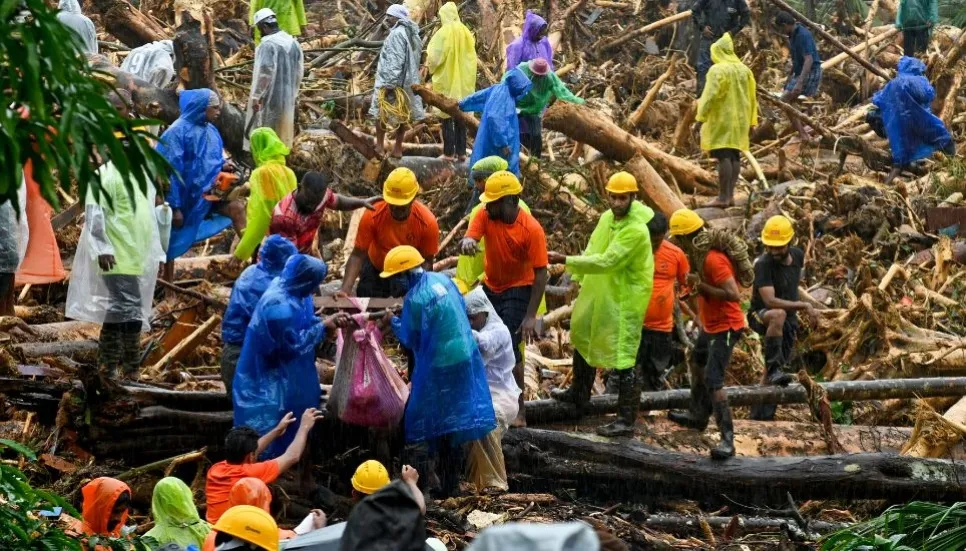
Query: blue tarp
[[193, 146], [251, 285], [914, 132], [499, 127], [276, 371], [450, 395]]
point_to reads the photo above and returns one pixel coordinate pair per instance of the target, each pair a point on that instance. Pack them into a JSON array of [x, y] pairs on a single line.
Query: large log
[[655, 190], [627, 469], [127, 24]]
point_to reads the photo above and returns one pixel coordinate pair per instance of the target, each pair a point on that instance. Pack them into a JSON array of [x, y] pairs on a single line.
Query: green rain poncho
[[543, 90], [616, 274], [176, 518], [269, 183], [917, 14], [290, 15]]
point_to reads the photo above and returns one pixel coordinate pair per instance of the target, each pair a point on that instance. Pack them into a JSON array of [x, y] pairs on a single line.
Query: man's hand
[[529, 328], [342, 294], [177, 218], [106, 262], [370, 203], [469, 246], [812, 314], [410, 475], [693, 280], [707, 32], [284, 424], [309, 417], [556, 258], [337, 320], [318, 519]]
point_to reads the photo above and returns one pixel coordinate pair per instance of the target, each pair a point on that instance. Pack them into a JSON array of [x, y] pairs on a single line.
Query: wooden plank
[[185, 347], [68, 215], [331, 302]]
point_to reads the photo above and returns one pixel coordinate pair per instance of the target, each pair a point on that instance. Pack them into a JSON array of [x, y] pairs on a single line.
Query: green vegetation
[[915, 526]]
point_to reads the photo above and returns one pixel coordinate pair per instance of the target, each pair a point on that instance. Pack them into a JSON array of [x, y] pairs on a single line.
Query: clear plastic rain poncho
[[496, 347], [15, 234], [616, 275], [152, 62], [176, 518], [451, 56], [398, 67], [269, 183], [276, 370], [449, 393], [124, 226], [914, 132], [523, 536], [728, 106], [499, 126], [73, 18], [275, 84], [251, 285], [529, 45]]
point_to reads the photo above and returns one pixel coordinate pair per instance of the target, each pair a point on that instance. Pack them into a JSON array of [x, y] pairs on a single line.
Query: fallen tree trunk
[[688, 525], [81, 351], [127, 24]]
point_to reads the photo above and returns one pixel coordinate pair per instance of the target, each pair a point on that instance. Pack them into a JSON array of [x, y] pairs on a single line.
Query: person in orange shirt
[[242, 448], [514, 264], [722, 323], [398, 220]]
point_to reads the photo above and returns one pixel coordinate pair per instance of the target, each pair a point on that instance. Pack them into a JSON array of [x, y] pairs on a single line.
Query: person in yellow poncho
[[451, 59], [616, 274], [290, 15], [727, 110], [269, 183]]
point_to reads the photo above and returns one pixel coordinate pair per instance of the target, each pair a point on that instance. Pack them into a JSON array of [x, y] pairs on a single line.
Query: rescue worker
[[268, 184], [806, 75], [289, 13], [727, 111], [370, 477], [72, 17], [499, 132], [176, 518], [391, 518], [13, 247], [448, 364], [153, 62], [914, 132], [916, 19], [276, 80], [515, 263], [714, 18], [194, 149], [105, 507], [245, 294], [722, 324], [616, 274], [399, 219], [451, 59], [545, 87], [531, 44], [246, 528], [774, 304], [276, 369], [394, 105]]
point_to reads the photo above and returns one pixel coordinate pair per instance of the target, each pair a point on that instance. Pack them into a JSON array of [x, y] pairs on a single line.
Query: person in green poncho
[[916, 19], [176, 518], [290, 15], [546, 86], [616, 274]]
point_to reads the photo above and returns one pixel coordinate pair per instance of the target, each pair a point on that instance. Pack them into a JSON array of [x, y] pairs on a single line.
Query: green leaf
[[19, 448]]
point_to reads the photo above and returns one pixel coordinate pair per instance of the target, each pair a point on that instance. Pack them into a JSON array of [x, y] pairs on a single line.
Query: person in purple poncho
[[531, 44]]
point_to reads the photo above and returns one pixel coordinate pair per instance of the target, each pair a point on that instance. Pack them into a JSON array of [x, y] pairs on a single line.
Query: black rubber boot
[[110, 347], [131, 349], [628, 403], [774, 375], [699, 412], [722, 416], [580, 386]]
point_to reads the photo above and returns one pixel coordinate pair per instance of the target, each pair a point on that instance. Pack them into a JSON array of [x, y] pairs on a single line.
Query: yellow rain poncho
[[728, 106], [616, 274], [270, 182], [451, 56]]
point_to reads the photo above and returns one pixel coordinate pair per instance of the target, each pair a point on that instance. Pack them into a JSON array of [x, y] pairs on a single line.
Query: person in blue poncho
[[193, 147], [245, 294], [904, 104], [499, 132], [276, 370], [450, 402]]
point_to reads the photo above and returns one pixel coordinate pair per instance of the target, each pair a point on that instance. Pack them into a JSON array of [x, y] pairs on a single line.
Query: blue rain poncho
[[914, 132], [251, 285], [193, 147], [499, 126], [450, 395], [276, 370]]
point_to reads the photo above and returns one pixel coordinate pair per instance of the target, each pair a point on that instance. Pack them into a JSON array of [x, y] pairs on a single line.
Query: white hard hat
[[263, 14]]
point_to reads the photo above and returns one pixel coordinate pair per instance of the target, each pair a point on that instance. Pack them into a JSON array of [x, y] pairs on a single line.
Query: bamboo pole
[[645, 29]]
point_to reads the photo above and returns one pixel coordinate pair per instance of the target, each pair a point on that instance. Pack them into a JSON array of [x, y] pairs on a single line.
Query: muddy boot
[[131, 350], [110, 348], [699, 412], [580, 386], [722, 416], [628, 403], [774, 375]]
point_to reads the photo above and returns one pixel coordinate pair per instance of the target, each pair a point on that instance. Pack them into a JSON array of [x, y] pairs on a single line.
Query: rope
[[392, 114], [731, 245]]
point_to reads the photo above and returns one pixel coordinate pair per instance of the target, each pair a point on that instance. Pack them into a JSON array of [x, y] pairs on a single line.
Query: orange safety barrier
[[42, 263]]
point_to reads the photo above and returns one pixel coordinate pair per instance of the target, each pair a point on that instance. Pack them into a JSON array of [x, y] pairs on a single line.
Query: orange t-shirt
[[222, 476], [670, 265], [719, 315], [379, 232], [513, 251]]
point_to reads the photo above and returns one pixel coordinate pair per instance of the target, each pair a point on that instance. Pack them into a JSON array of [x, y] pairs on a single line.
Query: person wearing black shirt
[[774, 303], [713, 18]]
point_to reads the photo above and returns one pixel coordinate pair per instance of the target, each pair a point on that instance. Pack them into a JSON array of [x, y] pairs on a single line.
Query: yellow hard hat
[[400, 187], [685, 221], [400, 259], [251, 524], [622, 182], [499, 185], [370, 477], [778, 231], [461, 285]]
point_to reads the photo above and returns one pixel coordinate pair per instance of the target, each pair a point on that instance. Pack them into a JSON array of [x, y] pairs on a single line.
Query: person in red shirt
[[298, 216], [242, 448], [398, 220], [722, 323], [514, 263]]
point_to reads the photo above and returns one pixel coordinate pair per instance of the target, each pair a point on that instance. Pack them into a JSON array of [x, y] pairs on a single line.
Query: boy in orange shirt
[[722, 323]]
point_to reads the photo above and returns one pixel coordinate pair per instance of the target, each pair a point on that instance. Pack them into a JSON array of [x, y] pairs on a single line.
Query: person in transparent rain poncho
[[276, 80], [14, 235], [152, 62], [394, 105], [74, 19]]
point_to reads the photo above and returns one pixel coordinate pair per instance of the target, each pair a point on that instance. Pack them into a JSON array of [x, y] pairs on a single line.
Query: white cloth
[[74, 19], [398, 11], [152, 62], [275, 82], [496, 347], [520, 536]]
